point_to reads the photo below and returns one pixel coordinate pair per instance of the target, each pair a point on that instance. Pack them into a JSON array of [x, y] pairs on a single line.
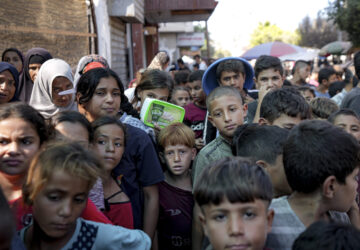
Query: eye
[[170, 153], [182, 152], [53, 197], [79, 200], [151, 96], [249, 215], [232, 109], [3, 142], [26, 141], [116, 93], [100, 93], [101, 142], [219, 217], [118, 144], [217, 114]]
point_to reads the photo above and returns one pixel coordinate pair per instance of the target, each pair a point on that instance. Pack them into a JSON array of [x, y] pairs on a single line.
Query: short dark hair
[[72, 117], [323, 107], [306, 88], [315, 150], [325, 73], [181, 77], [235, 179], [323, 235], [108, 120], [284, 101], [259, 142], [344, 111], [28, 114], [196, 76], [268, 62], [230, 65], [222, 91], [336, 87], [300, 64]]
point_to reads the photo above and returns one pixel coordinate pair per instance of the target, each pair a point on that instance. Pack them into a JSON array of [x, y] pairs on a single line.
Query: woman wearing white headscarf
[[53, 88]]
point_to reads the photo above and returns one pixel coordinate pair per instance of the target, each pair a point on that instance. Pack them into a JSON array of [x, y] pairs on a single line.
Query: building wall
[[167, 42]]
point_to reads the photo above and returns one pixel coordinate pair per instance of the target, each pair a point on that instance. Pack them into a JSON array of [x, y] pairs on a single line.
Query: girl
[[35, 57], [9, 80], [14, 57], [57, 187], [54, 77], [180, 96], [109, 144], [100, 93]]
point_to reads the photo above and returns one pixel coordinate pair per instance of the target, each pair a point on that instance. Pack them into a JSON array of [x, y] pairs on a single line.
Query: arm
[[151, 209], [262, 92], [197, 233]]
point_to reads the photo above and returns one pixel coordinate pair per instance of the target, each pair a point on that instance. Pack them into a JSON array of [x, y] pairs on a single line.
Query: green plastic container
[[160, 112]]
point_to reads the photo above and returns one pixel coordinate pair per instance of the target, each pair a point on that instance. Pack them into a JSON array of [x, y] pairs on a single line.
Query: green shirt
[[214, 151]]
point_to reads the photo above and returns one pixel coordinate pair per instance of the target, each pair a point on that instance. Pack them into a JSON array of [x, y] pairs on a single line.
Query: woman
[[35, 57], [53, 79], [99, 93], [9, 80], [14, 57]]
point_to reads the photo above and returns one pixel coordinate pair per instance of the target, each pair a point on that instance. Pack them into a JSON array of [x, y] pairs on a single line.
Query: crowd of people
[[261, 160]]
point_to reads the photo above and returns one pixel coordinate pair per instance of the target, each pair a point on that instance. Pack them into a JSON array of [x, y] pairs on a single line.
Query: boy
[[177, 144], [322, 235], [226, 113], [322, 107], [300, 72], [307, 92], [321, 165], [181, 77], [264, 145], [326, 77], [284, 108], [180, 96], [195, 112], [347, 120], [234, 197], [228, 71], [269, 75]]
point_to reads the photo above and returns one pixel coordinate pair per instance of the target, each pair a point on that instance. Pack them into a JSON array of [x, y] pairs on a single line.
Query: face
[[159, 94], [345, 193], [60, 84], [75, 132], [59, 203], [34, 70], [196, 91], [7, 86], [278, 178], [178, 158], [304, 72], [232, 79], [109, 145], [105, 101], [19, 143], [13, 58], [350, 124], [237, 225], [287, 122], [226, 114], [181, 98], [308, 96], [270, 78]]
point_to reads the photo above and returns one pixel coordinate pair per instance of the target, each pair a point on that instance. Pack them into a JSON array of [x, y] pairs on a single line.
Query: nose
[[13, 148], [65, 208], [227, 116], [177, 157], [236, 226], [110, 147], [109, 98]]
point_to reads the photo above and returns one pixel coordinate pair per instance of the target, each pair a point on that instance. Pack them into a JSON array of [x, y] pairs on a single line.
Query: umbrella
[[335, 48], [272, 49], [308, 55]]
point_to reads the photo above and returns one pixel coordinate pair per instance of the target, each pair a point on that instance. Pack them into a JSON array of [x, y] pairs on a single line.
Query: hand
[[263, 91], [248, 99], [157, 129]]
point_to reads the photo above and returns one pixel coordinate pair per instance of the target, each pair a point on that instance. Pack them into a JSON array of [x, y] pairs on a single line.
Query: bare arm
[[151, 209], [262, 92]]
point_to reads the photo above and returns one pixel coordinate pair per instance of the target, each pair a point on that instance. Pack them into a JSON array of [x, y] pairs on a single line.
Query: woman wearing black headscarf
[[35, 57], [9, 79], [14, 57]]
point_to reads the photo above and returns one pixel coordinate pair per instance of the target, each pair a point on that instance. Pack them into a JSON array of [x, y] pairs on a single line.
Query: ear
[[78, 95], [263, 121], [210, 119], [262, 164], [329, 187], [203, 222], [257, 84], [270, 218], [193, 153], [245, 109]]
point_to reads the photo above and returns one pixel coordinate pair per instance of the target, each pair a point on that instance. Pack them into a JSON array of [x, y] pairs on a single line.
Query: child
[[284, 108], [181, 77], [109, 144], [347, 120], [322, 235], [322, 107], [269, 75], [264, 145], [301, 71], [180, 96], [57, 187], [226, 113], [307, 92], [326, 77], [195, 112], [321, 165], [177, 142], [234, 197]]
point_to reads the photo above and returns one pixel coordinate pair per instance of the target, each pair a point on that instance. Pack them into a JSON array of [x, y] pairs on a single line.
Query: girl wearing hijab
[[14, 57], [35, 57], [9, 79], [48, 94]]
